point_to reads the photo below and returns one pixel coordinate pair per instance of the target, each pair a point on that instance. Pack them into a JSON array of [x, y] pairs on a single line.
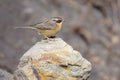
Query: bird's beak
[[63, 21]]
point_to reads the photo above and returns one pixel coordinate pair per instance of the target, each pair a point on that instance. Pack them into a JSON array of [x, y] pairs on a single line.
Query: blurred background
[[91, 27]]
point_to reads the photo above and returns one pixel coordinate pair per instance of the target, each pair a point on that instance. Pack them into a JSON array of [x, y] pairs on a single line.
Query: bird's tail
[[25, 28]]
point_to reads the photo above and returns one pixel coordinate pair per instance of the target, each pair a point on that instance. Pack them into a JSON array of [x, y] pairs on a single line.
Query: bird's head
[[57, 20]]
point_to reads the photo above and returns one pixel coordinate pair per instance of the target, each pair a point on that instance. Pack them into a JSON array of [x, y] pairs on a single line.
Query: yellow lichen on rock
[[52, 60]]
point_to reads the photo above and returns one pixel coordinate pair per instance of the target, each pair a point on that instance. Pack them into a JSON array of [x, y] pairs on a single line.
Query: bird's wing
[[45, 25]]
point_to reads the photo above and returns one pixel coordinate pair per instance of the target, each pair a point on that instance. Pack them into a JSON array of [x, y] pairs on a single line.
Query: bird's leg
[[47, 38], [44, 36], [52, 38]]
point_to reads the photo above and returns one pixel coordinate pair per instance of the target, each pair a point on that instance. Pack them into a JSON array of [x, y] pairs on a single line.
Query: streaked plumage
[[48, 28]]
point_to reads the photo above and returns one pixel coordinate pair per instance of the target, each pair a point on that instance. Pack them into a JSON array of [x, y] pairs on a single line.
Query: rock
[[52, 60], [4, 75]]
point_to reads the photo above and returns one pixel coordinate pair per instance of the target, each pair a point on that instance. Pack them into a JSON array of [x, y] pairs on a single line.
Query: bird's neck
[[58, 26]]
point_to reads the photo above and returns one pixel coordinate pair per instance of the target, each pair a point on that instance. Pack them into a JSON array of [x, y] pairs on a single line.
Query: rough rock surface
[[52, 60], [4, 75]]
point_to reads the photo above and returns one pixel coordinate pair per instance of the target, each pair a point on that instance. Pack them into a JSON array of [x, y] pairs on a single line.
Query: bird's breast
[[51, 32]]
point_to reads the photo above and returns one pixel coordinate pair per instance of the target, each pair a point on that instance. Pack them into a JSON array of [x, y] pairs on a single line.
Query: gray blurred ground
[[91, 27]]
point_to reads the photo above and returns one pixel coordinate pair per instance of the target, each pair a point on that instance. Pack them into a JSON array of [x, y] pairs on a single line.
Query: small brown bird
[[48, 28]]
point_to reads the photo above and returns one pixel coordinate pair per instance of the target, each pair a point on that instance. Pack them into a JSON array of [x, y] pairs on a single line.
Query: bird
[[48, 28]]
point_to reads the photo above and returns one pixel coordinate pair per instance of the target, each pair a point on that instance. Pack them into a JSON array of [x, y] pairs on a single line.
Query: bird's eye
[[59, 21]]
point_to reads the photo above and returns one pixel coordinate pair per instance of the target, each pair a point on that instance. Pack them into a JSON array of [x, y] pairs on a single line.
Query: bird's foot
[[52, 37]]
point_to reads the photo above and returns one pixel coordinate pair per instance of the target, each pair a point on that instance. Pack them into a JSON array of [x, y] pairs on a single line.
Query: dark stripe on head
[[58, 17], [59, 21]]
